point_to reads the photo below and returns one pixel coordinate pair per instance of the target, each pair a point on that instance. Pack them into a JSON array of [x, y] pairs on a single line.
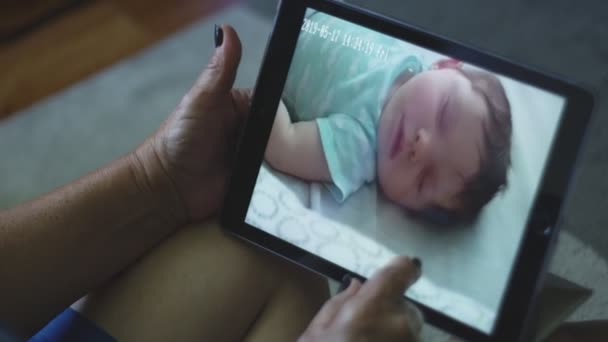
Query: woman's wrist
[[153, 181]]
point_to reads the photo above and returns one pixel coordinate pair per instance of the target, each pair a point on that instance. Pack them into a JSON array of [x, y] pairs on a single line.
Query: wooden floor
[[81, 41]]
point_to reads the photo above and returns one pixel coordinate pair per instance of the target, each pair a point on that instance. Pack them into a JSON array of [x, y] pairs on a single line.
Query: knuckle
[[402, 325], [354, 312], [215, 63], [204, 84], [200, 92], [396, 267], [387, 273], [403, 328], [330, 304], [350, 312], [414, 317], [401, 320], [241, 97]]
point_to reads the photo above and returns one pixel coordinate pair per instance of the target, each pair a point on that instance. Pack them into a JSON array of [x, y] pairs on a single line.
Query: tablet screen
[[380, 148]]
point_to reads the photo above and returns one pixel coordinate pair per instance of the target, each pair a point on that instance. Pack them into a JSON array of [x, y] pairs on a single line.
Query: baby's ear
[[447, 63]]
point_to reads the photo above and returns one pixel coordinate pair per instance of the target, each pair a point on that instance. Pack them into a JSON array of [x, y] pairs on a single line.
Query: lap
[[201, 284]]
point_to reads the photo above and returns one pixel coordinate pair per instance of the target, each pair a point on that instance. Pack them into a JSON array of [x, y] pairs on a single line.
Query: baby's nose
[[421, 146]]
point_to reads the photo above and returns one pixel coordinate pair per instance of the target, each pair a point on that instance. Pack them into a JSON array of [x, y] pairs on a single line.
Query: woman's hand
[[374, 311], [59, 247], [194, 146]]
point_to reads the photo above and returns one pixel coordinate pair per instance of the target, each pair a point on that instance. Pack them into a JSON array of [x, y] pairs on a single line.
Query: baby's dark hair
[[495, 154]]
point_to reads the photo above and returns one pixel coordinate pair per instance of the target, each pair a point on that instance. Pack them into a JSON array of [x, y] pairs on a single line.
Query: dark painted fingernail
[[418, 263], [219, 36], [346, 280]]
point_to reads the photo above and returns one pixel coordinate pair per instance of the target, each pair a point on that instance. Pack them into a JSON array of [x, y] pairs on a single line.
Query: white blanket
[[279, 207]]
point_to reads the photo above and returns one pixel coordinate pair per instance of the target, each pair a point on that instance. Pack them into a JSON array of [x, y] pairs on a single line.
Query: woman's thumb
[[218, 76]]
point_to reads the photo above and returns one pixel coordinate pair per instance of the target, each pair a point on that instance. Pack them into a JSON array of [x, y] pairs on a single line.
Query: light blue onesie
[[340, 76]]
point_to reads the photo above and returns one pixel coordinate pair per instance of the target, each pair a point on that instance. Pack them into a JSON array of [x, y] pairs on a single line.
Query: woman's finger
[[241, 100], [334, 305], [415, 317], [404, 323], [220, 73], [392, 280]]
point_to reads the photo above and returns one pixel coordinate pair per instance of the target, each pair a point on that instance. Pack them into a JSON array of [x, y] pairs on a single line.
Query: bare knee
[[202, 284]]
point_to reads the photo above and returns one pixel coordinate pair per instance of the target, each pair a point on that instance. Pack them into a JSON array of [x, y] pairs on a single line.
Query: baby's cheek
[[387, 184], [395, 181]]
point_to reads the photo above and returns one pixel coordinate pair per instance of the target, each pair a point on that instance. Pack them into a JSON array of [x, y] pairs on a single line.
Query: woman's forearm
[[55, 249]]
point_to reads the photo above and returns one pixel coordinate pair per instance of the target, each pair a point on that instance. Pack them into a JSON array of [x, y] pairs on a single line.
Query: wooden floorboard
[[18, 15], [85, 40]]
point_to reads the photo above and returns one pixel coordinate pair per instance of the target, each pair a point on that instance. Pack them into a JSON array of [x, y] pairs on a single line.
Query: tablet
[[368, 138]]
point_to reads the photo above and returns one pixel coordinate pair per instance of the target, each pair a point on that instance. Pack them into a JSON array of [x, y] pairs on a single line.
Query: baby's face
[[430, 140]]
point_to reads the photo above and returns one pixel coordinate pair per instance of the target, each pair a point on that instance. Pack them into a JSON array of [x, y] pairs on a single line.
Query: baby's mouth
[[396, 146]]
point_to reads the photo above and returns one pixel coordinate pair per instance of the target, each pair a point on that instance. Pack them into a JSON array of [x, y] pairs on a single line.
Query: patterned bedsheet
[[279, 210]]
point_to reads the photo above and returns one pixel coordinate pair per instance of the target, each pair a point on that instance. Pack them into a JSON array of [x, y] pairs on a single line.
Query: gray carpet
[[101, 118]]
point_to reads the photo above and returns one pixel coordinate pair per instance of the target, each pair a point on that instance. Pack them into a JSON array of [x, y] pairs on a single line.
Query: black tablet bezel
[[540, 231]]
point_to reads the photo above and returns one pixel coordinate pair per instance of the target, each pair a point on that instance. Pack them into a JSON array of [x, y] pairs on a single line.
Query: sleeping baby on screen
[[437, 141]]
